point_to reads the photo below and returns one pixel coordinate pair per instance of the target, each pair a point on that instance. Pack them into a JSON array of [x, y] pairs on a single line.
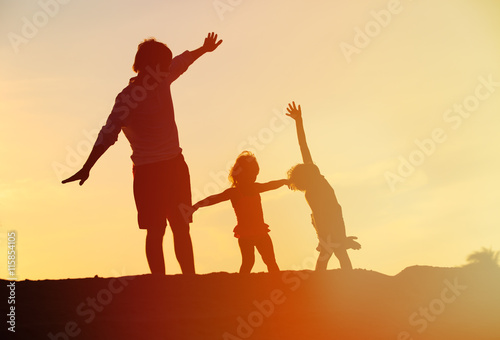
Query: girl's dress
[[248, 210]]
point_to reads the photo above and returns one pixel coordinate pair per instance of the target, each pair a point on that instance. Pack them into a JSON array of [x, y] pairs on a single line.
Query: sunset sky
[[401, 107]]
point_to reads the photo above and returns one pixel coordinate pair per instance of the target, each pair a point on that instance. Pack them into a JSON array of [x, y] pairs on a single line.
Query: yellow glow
[[361, 117]]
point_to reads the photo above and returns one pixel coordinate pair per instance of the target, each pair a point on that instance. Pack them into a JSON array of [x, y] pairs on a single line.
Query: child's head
[[301, 176], [152, 53], [244, 170]]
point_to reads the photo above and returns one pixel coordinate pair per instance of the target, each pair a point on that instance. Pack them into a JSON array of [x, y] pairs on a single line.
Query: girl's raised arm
[[296, 114]]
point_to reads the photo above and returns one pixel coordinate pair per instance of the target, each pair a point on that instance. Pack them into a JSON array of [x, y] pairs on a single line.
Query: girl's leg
[[266, 250], [247, 255], [154, 250]]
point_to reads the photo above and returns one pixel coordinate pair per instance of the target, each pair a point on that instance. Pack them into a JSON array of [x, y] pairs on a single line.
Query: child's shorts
[[162, 192]]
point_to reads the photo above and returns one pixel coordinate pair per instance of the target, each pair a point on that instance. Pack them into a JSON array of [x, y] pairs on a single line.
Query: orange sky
[[400, 102]]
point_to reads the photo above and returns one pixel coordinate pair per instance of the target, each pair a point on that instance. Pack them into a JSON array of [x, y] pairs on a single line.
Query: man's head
[[152, 53]]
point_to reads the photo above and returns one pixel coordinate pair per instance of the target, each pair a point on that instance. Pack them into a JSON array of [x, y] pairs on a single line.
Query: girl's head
[[152, 53], [244, 170], [302, 176]]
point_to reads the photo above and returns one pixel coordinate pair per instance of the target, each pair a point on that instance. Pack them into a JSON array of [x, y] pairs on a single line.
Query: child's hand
[[192, 210], [211, 42], [188, 213], [294, 112]]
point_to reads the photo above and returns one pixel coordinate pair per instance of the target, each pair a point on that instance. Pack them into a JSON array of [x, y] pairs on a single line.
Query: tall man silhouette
[[144, 112]]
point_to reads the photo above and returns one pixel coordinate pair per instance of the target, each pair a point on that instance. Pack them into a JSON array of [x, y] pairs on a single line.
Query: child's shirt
[[145, 112], [249, 214], [326, 211]]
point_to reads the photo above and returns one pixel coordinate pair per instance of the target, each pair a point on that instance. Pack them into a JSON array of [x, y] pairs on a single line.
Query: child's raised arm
[[272, 185], [296, 114]]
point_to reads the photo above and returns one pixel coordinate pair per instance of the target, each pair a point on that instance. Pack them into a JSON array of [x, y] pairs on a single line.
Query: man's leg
[[179, 196], [154, 250], [183, 246]]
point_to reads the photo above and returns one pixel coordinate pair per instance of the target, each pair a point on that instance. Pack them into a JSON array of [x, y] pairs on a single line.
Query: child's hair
[[151, 53], [301, 175], [246, 166]]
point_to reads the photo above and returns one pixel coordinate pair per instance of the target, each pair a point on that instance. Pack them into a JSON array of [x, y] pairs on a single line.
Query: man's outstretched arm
[[296, 113], [84, 172]]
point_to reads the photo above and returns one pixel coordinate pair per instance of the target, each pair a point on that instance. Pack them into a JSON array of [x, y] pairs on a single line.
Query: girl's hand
[[294, 112], [188, 212], [192, 210]]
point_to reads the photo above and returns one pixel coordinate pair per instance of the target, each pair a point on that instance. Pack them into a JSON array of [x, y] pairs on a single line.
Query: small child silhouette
[[244, 195], [326, 212]]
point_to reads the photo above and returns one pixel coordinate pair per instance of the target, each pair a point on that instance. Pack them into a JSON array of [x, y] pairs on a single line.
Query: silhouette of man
[[144, 112]]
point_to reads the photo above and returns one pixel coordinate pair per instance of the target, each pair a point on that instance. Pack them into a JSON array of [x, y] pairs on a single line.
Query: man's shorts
[[162, 192]]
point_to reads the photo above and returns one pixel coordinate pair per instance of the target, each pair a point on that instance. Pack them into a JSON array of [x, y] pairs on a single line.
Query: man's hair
[[151, 53]]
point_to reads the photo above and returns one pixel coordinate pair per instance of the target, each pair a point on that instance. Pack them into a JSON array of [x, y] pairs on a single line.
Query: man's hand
[[81, 175], [211, 42], [294, 112]]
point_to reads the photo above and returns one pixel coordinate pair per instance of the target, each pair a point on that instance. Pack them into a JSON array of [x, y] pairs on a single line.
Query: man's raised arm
[[209, 45], [181, 62]]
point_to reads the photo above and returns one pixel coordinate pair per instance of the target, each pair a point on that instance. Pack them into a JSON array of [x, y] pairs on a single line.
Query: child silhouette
[[326, 211], [244, 195]]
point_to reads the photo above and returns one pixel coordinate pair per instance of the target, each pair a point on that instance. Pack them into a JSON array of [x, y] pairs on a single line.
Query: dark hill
[[418, 303]]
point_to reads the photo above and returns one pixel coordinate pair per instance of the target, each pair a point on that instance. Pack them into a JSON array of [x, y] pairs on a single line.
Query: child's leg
[[345, 262], [325, 247], [340, 251], [323, 258], [266, 250], [247, 255], [154, 250]]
